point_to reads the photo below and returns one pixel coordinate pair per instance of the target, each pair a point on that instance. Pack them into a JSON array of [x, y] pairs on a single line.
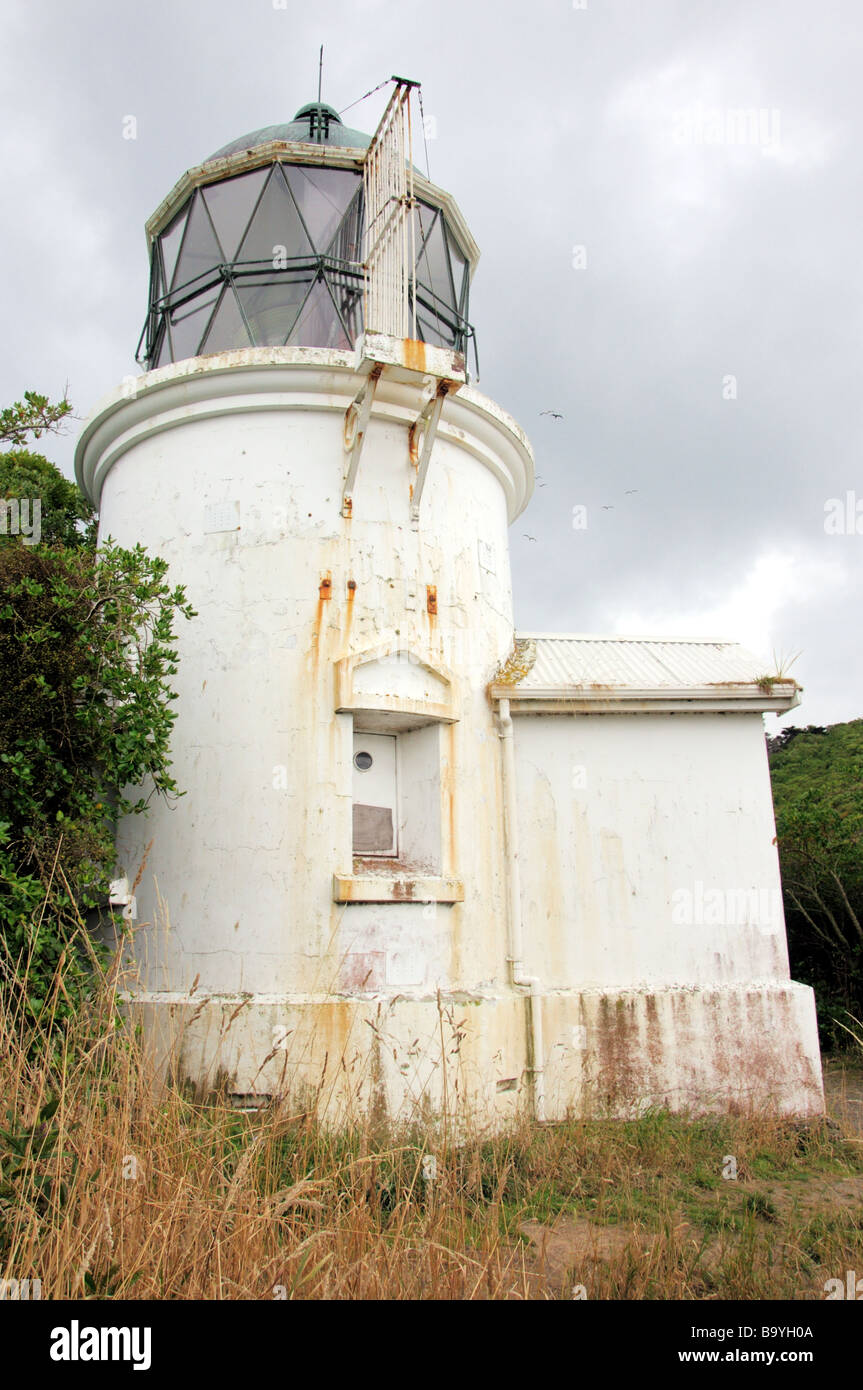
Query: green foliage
[[32, 1161], [34, 415], [63, 506], [817, 779], [86, 652], [86, 641]]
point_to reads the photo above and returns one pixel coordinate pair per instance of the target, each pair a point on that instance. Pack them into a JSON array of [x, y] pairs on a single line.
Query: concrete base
[[744, 1050]]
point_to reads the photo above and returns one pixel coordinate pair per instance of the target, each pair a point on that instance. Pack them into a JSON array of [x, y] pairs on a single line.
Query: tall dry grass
[[116, 1184]]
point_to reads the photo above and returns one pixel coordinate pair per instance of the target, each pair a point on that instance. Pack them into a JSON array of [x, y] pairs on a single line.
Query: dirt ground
[[567, 1244]]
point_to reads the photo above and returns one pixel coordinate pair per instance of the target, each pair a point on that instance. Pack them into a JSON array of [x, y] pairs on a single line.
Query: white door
[[375, 818]]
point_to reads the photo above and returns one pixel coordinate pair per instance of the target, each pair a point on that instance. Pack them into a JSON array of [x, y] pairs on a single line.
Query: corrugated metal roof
[[637, 663], [596, 671]]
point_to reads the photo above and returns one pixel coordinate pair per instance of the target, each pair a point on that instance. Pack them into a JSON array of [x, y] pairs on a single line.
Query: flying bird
[[608, 508], [527, 537], [630, 491], [555, 414]]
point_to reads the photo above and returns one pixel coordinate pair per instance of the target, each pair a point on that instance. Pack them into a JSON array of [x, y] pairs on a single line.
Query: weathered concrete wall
[[398, 1057], [650, 886], [264, 960], [748, 1049], [629, 825], [231, 468], [615, 1053]]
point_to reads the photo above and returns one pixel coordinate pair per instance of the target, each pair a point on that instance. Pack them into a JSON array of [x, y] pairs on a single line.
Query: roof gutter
[[729, 697]]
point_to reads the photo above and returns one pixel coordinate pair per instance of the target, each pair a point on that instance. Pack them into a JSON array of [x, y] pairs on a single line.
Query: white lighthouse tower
[[376, 892]]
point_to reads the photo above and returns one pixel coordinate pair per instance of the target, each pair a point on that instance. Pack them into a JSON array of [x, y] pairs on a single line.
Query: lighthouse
[[420, 856]]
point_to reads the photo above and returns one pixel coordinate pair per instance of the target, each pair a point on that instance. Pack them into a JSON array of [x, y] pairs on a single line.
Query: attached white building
[[421, 859]]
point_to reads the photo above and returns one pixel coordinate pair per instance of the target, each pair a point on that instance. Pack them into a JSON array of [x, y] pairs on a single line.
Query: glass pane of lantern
[[231, 204], [200, 250], [318, 324], [458, 263], [188, 326], [227, 329], [346, 245], [434, 331], [170, 240], [276, 223], [322, 195], [432, 260], [271, 308], [348, 293]]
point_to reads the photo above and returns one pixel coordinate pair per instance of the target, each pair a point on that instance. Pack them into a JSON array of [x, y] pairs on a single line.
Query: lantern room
[[262, 246]]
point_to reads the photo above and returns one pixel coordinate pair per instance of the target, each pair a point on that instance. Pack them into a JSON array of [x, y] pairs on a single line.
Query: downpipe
[[515, 952]]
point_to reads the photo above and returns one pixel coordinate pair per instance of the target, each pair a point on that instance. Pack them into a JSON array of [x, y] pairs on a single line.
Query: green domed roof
[[312, 125]]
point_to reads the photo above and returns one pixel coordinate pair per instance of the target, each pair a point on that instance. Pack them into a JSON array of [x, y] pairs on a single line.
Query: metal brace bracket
[[422, 436], [356, 422]]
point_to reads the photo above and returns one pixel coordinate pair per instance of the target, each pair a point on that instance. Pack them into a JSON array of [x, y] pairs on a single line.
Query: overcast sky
[[667, 196]]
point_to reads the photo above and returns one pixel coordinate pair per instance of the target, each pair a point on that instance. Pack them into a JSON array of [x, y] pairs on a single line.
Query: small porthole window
[[363, 761]]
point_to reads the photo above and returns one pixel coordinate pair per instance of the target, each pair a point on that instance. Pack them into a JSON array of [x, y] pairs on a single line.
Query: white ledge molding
[[395, 888], [244, 380]]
